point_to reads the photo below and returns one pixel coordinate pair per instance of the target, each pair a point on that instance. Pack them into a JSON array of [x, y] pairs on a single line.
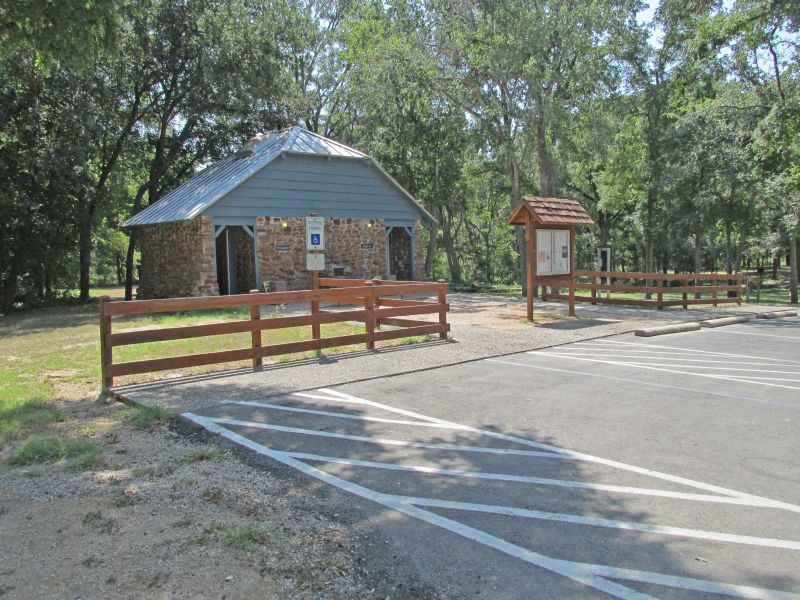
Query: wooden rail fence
[[661, 284], [375, 300]]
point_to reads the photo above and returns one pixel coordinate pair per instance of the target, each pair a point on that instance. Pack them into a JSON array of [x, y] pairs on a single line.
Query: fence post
[[369, 321], [442, 309], [377, 301], [594, 279], [714, 289], [660, 294], [106, 354], [255, 334]]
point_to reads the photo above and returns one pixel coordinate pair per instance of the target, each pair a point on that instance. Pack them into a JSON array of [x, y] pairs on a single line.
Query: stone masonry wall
[[358, 246], [178, 260]]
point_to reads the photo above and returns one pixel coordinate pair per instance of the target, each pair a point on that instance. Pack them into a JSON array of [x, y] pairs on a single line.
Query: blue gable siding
[[294, 185]]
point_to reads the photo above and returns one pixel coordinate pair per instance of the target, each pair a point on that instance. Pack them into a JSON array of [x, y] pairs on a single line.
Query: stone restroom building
[[240, 223]]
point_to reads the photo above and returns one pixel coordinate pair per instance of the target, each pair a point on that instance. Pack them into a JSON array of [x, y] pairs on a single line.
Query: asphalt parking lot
[[664, 467]]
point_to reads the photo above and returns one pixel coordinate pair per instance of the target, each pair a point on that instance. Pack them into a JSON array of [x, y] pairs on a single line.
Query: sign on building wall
[[552, 252], [315, 233]]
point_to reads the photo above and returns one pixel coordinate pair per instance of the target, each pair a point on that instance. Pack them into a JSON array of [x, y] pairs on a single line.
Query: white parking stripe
[[610, 523], [736, 365], [592, 575], [388, 442], [704, 352], [565, 483], [665, 386], [772, 335], [655, 368]]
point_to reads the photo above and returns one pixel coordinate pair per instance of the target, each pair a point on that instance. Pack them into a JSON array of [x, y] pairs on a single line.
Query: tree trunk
[[516, 197], [698, 258], [129, 266], [793, 239], [648, 237], [129, 256], [797, 253], [546, 177], [430, 254], [84, 252], [449, 247]]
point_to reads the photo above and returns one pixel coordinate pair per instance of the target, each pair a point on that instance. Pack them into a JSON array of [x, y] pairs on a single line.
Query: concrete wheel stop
[[665, 329]]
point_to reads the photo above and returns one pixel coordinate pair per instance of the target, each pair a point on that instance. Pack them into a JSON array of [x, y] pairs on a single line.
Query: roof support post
[[530, 248]]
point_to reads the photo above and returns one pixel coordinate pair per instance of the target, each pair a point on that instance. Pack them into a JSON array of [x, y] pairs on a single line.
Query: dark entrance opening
[[235, 260], [400, 247]]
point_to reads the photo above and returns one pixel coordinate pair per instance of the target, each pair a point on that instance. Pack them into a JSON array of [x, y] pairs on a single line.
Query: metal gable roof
[[209, 185]]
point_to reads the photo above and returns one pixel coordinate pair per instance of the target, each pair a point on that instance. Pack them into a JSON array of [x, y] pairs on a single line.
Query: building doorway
[[236, 259], [399, 249]]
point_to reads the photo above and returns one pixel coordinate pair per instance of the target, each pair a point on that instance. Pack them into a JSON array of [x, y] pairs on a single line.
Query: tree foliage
[[680, 136]]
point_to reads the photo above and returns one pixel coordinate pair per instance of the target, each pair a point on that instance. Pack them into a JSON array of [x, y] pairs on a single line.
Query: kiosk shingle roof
[[561, 211]]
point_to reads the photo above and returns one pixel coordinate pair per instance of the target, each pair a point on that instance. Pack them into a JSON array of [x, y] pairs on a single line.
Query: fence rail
[[379, 308], [654, 283]]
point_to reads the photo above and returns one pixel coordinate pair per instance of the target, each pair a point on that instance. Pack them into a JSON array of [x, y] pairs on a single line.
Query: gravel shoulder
[[482, 326], [163, 515]]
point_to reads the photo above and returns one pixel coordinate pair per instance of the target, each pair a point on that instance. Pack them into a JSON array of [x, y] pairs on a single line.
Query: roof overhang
[[550, 211]]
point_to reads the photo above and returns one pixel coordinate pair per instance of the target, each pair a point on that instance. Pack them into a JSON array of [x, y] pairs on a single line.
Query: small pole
[[572, 271], [106, 354], [315, 326], [255, 334], [369, 321], [442, 309], [530, 242]]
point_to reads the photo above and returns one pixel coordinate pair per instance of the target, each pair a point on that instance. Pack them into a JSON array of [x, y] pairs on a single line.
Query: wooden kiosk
[[550, 230]]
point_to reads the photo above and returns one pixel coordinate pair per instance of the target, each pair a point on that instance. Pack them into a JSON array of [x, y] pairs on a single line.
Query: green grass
[[53, 353], [203, 453], [81, 452], [249, 537], [18, 416]]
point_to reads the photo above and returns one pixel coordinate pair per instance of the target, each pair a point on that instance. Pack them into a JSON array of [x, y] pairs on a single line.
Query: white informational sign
[[552, 252], [315, 262], [315, 233]]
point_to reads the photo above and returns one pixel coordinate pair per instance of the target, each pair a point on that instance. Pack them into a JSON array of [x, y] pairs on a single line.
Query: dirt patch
[[497, 313], [166, 516]]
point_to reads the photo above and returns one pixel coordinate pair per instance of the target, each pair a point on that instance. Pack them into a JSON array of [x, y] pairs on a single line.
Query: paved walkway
[[482, 325]]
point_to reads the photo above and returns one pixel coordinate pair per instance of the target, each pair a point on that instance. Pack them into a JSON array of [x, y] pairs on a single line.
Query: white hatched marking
[[387, 442], [592, 575], [565, 483], [581, 456], [325, 413], [610, 523]]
